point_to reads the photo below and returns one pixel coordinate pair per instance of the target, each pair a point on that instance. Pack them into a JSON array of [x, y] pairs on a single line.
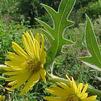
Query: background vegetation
[[17, 16]]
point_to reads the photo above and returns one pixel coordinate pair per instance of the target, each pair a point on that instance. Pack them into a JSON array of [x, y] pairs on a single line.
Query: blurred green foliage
[[8, 33], [91, 7], [26, 10]]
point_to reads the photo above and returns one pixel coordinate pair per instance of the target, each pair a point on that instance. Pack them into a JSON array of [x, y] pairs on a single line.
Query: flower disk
[[69, 92], [25, 66]]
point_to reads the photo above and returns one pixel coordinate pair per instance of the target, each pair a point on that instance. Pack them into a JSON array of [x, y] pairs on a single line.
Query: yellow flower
[[25, 66], [69, 92], [2, 98]]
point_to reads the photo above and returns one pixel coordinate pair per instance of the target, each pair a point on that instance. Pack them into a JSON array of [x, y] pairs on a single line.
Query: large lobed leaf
[[94, 60], [55, 34]]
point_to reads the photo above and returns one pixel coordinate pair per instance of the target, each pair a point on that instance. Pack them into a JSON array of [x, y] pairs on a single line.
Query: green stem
[[2, 68], [8, 97], [54, 78]]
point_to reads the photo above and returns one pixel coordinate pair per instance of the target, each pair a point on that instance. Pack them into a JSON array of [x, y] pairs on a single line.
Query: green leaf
[[2, 78], [94, 59], [2, 68], [55, 34], [99, 2]]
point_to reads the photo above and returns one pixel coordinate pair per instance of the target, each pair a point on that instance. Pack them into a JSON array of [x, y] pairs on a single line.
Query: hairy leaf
[[55, 34], [94, 60]]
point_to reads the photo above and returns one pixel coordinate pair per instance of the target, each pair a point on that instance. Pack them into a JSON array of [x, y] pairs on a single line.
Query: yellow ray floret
[[69, 92], [2, 98], [25, 66]]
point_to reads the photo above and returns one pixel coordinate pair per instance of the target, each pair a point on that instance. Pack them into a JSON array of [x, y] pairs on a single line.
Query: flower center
[[34, 65], [72, 98]]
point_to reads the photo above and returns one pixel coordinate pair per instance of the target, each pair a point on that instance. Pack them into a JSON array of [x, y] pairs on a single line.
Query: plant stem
[[54, 78]]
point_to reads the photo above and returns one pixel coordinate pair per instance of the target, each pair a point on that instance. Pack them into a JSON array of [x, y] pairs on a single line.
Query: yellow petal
[[43, 57], [38, 37], [54, 98], [14, 57], [20, 79], [85, 95], [74, 85], [2, 98], [43, 74], [26, 45], [80, 87], [19, 50], [12, 83], [57, 91], [30, 83], [85, 88], [15, 64], [91, 98], [31, 46], [64, 86], [11, 73]]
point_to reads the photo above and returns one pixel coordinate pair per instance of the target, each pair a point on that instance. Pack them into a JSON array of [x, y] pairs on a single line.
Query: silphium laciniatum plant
[[26, 65]]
